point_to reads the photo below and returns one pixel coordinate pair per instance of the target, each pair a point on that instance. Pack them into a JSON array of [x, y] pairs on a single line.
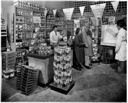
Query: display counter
[[45, 65]]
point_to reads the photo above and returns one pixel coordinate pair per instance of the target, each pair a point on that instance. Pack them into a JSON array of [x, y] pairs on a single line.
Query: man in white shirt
[[121, 47], [54, 36]]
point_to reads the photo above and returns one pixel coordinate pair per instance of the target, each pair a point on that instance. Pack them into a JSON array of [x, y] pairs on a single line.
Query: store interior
[[37, 69]]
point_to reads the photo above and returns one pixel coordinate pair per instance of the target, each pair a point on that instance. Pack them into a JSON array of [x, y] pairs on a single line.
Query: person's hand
[[84, 45]]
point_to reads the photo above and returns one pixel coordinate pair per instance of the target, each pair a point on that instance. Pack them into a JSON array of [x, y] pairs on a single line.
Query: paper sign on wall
[[98, 9], [115, 5], [54, 11], [68, 13], [82, 10], [36, 19], [109, 35]]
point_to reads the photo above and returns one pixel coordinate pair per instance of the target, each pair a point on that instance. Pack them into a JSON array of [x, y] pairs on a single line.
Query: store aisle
[[100, 84]]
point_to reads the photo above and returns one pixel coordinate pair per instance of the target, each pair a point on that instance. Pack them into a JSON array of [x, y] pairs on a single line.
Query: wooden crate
[[27, 79]]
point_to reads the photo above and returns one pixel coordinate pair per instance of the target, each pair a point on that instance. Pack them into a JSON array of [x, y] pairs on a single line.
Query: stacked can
[[62, 66]]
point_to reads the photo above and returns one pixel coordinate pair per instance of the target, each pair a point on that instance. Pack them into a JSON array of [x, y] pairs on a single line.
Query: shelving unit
[[60, 22], [24, 31], [50, 21], [3, 36], [70, 26], [21, 26]]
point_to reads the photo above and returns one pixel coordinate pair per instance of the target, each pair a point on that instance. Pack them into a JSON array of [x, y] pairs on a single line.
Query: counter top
[[39, 56]]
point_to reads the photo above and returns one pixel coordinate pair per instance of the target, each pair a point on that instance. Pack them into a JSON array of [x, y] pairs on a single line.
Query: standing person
[[78, 52], [87, 38], [54, 36], [121, 47]]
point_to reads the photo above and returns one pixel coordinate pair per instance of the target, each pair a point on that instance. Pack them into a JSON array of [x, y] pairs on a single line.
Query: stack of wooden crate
[[27, 79]]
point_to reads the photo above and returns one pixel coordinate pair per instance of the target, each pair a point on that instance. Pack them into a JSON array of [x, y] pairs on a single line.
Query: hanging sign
[[115, 5], [98, 10], [68, 13], [54, 11], [82, 10]]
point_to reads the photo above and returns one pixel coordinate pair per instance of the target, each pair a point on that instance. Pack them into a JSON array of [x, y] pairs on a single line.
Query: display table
[[45, 65]]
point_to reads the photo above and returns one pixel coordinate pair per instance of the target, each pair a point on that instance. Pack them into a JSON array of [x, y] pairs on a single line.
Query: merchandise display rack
[[24, 31], [62, 70], [22, 26], [3, 35]]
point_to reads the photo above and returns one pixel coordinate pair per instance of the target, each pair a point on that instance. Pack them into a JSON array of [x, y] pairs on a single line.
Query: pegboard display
[[50, 21], [82, 3], [70, 26], [60, 22], [59, 13], [68, 4], [76, 10], [108, 11], [122, 8]]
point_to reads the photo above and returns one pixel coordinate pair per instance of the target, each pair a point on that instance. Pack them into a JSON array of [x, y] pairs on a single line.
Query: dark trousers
[[122, 66], [75, 60]]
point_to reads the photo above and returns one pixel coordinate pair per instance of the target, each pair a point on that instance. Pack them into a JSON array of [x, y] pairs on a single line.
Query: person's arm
[[60, 36], [52, 38], [119, 41]]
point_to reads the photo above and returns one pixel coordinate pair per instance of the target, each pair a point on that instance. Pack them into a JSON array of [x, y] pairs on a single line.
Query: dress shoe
[[85, 66], [88, 67]]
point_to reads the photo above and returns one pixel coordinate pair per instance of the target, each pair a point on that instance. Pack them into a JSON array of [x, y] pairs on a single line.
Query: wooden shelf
[[3, 35]]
